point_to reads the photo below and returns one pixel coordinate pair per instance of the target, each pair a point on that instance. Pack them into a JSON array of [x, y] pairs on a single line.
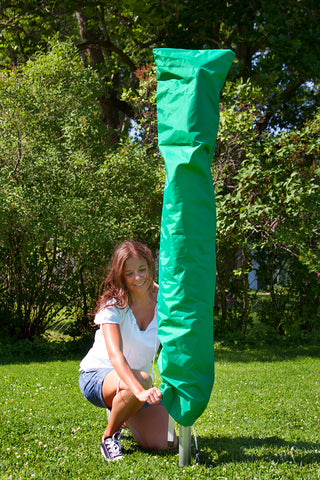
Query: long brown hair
[[114, 286]]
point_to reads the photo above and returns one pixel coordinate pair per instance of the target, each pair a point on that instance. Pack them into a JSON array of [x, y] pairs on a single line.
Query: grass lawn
[[262, 422]]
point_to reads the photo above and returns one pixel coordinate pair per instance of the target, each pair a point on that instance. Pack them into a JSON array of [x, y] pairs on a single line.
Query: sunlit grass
[[262, 422]]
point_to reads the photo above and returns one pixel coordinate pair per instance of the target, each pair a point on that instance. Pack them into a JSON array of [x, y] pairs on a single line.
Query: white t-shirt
[[139, 346]]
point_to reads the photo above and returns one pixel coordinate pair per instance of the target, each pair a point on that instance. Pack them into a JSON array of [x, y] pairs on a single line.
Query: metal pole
[[170, 431], [184, 446]]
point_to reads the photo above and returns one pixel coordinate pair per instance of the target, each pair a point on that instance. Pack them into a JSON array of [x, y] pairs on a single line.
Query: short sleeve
[[108, 315]]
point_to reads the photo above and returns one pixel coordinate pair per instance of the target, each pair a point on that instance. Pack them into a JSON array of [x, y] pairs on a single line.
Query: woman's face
[[136, 274]]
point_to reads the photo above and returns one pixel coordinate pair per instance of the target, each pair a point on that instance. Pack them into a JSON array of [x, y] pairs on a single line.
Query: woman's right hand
[[153, 396]]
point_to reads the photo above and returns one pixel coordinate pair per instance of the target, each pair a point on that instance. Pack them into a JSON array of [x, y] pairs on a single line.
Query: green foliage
[[65, 201], [60, 208], [267, 193], [276, 44], [27, 26], [294, 306], [135, 186], [43, 119], [144, 100]]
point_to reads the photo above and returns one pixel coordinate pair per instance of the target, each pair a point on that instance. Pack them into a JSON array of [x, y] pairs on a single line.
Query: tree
[[265, 204], [276, 45], [267, 193], [61, 212]]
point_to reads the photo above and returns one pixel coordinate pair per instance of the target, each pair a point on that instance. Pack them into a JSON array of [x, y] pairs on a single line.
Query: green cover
[[188, 94]]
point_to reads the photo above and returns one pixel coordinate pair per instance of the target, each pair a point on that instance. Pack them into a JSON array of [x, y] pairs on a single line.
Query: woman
[[115, 372]]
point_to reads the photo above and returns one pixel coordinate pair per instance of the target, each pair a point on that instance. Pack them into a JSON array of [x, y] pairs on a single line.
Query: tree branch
[[109, 46]]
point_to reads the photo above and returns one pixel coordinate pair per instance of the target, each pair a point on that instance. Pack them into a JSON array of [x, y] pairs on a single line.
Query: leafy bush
[[66, 195], [268, 196]]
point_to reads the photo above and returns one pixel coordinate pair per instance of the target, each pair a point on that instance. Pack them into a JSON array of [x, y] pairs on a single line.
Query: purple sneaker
[[111, 448]]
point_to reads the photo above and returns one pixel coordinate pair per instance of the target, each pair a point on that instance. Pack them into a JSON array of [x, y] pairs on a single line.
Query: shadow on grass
[[224, 450], [25, 351], [263, 353]]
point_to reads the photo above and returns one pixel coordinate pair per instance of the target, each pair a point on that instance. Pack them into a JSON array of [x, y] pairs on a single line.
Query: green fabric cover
[[188, 94]]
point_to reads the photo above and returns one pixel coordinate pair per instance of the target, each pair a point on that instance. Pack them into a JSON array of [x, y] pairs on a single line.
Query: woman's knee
[[149, 427]]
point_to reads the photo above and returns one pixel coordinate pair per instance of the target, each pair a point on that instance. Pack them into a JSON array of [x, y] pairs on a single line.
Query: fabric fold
[[188, 93]]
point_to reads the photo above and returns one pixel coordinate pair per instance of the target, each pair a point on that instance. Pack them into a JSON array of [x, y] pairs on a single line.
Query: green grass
[[262, 422]]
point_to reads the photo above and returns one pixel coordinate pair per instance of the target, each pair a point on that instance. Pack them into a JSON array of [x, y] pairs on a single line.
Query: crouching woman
[[115, 372]]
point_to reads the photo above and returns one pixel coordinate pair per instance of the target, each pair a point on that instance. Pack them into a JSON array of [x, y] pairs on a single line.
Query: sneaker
[[111, 448]]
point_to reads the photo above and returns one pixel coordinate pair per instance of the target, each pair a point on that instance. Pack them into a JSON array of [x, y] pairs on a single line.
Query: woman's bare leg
[[149, 426], [124, 404]]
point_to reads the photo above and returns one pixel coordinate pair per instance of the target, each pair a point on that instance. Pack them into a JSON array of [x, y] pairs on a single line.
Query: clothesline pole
[[184, 446], [184, 442]]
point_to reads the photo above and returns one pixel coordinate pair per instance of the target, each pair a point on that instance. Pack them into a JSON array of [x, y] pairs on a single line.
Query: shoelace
[[117, 437], [114, 446]]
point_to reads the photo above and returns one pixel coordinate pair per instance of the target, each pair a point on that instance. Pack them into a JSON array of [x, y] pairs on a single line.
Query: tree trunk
[[92, 38], [246, 304], [222, 292], [277, 324], [85, 307]]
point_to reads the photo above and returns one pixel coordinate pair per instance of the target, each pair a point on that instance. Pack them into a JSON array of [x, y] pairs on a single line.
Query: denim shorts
[[90, 384]]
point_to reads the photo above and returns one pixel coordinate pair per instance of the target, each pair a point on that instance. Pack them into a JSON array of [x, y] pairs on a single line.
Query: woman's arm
[[112, 336]]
